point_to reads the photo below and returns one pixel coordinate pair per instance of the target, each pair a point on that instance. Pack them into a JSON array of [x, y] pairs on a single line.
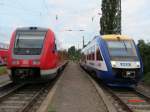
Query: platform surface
[[75, 93], [4, 79]]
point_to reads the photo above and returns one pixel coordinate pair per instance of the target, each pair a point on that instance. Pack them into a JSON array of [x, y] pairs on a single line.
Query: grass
[[3, 70], [51, 109], [146, 78]]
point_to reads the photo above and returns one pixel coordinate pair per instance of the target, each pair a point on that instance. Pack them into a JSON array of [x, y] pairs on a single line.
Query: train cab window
[[29, 43], [98, 55]]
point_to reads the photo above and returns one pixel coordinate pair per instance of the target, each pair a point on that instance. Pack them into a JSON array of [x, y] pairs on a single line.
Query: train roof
[[32, 28], [116, 37], [110, 37]]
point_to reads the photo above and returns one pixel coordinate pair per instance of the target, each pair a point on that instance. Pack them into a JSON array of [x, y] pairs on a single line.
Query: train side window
[[91, 58], [87, 54], [98, 55], [83, 57], [55, 48], [93, 53], [90, 54]]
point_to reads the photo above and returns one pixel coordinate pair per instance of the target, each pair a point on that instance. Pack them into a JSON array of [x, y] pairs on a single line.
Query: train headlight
[[138, 64], [113, 63], [36, 62], [15, 62]]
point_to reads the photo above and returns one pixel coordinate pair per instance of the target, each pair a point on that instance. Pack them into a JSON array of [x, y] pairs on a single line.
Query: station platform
[[75, 93], [4, 79]]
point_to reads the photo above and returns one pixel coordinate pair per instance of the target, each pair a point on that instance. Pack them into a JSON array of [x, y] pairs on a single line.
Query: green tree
[[145, 54], [110, 21], [74, 54]]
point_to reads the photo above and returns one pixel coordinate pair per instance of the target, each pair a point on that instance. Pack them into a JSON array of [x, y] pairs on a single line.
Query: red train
[[34, 54], [3, 53]]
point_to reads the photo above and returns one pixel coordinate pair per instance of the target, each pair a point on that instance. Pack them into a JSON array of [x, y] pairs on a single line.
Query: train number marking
[[125, 64]]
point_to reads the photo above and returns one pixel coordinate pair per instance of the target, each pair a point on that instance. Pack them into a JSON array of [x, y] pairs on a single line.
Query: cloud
[[73, 15], [133, 6], [135, 18]]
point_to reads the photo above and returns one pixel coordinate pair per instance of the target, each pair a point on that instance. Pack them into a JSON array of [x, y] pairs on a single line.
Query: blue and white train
[[114, 59]]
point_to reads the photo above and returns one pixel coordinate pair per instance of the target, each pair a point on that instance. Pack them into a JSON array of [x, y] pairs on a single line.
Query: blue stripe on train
[[108, 76]]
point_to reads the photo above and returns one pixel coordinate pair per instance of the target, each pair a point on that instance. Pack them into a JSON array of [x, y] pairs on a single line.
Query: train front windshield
[[122, 50], [28, 44]]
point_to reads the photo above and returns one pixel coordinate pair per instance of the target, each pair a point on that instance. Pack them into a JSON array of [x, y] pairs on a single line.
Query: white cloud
[[135, 18], [73, 15], [133, 6]]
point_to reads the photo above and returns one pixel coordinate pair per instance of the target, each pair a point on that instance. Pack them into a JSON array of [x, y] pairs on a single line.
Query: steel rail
[[124, 105]]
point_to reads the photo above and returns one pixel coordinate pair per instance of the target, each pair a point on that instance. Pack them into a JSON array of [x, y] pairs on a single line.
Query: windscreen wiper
[[125, 46]]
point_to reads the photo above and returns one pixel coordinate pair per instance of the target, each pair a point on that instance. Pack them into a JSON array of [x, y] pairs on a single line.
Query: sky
[[75, 15]]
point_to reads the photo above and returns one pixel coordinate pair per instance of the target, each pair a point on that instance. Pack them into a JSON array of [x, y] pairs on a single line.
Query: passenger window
[[98, 55], [83, 57], [87, 55], [93, 53], [55, 48], [90, 53]]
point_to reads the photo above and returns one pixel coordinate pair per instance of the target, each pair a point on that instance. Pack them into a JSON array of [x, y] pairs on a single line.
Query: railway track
[[125, 99], [8, 88], [131, 100], [20, 98], [24, 97]]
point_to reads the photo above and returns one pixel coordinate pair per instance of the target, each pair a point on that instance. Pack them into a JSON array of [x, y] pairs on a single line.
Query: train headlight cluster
[[36, 62], [15, 62], [138, 64], [113, 63]]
